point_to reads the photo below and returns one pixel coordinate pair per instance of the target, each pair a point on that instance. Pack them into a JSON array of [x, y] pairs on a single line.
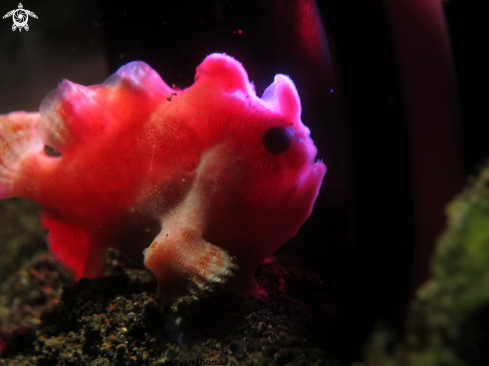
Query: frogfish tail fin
[[18, 138]]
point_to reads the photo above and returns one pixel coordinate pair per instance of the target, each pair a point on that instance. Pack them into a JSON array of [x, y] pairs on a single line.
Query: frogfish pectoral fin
[[184, 263], [84, 256], [18, 138]]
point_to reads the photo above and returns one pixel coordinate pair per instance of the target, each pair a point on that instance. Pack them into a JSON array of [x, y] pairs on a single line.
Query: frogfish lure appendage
[[199, 185]]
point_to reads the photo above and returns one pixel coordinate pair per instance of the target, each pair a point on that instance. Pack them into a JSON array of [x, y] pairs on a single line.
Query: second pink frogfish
[[197, 184]]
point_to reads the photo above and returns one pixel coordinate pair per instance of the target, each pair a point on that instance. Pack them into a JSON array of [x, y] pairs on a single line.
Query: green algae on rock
[[448, 323]]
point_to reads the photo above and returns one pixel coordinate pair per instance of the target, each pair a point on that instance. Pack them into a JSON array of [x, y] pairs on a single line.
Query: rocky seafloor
[[48, 319]]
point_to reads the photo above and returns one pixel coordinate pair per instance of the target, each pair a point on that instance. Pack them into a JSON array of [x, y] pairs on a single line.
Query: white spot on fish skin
[[147, 230], [183, 179], [132, 209]]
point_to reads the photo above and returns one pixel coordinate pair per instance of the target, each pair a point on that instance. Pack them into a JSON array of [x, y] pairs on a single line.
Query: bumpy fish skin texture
[[207, 181]]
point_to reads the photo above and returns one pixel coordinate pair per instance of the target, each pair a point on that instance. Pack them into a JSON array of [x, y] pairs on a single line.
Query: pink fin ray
[[139, 75]]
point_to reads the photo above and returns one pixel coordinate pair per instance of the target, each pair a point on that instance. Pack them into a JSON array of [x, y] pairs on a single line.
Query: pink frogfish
[[200, 185]]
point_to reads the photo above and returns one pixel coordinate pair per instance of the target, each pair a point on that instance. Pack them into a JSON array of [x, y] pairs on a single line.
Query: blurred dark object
[[429, 95], [380, 231], [468, 29]]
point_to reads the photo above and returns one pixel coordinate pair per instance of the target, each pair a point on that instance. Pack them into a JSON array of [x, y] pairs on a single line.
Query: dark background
[[359, 236]]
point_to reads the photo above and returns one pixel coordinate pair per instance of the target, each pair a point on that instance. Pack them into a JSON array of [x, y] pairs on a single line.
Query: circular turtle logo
[[20, 17]]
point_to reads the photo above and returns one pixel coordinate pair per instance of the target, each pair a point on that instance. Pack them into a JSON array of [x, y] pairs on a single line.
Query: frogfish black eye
[[276, 140], [50, 151]]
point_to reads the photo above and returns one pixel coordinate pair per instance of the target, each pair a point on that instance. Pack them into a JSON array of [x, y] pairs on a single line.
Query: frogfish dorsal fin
[[74, 114]]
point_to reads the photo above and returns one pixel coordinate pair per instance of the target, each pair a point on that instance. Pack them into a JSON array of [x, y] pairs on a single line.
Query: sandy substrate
[[47, 319]]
